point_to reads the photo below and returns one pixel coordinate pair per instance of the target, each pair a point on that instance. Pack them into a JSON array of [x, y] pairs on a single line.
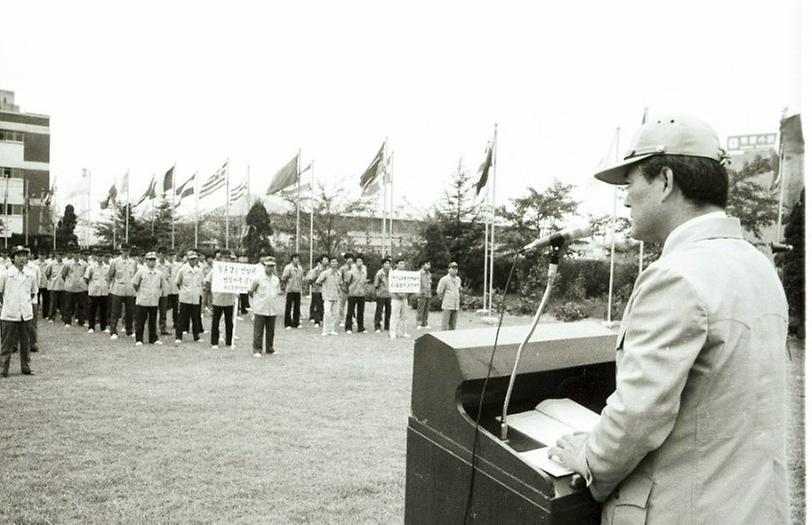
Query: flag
[[83, 187], [484, 168], [169, 179], [286, 176], [375, 186], [239, 191], [149, 194], [292, 192], [187, 188], [215, 181], [370, 175], [112, 193], [125, 184]]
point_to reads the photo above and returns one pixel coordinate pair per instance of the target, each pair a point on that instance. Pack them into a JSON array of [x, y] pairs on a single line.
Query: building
[[25, 151]]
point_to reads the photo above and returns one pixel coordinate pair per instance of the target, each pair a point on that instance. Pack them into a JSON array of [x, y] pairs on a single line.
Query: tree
[[138, 233], [162, 219], [258, 230], [64, 228], [537, 214], [792, 266], [749, 200]]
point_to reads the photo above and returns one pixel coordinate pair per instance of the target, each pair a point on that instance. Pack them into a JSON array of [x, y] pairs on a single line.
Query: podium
[[562, 360]]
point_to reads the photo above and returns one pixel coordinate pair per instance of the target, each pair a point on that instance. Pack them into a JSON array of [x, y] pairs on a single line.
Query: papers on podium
[[551, 419]]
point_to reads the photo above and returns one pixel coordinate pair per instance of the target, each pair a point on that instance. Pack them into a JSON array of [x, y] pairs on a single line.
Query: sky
[[143, 85]]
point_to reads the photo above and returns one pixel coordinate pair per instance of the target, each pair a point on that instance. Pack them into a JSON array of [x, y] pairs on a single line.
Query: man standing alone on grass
[[190, 287], [97, 290], [121, 273], [264, 293], [424, 298], [330, 282], [316, 299], [400, 301], [695, 431], [383, 300], [17, 288], [449, 291], [222, 305], [292, 280], [148, 284], [356, 290]]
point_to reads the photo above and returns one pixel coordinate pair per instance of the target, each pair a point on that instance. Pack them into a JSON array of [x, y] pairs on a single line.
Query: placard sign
[[230, 277], [402, 281]]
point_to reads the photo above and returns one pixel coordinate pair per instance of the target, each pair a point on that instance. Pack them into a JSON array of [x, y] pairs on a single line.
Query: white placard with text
[[230, 277], [402, 281]]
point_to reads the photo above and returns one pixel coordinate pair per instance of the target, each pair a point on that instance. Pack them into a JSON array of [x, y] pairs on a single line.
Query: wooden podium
[[562, 360]]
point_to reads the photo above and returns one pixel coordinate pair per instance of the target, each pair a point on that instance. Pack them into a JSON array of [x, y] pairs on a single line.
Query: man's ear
[[666, 178]]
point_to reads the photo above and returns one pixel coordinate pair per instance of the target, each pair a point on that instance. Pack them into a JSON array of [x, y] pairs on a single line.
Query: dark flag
[[484, 168], [285, 177], [370, 175], [186, 189], [169, 180], [112, 193], [149, 194]]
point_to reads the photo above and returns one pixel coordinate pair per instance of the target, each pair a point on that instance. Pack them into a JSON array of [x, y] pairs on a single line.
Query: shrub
[[570, 311]]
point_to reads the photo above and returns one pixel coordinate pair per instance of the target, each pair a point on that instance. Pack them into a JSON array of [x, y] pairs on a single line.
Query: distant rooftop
[[7, 101]]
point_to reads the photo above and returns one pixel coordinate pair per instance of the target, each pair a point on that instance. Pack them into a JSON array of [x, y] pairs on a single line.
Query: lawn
[[107, 432]]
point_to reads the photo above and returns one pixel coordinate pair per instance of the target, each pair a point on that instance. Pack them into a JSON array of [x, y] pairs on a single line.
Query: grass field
[[106, 432]]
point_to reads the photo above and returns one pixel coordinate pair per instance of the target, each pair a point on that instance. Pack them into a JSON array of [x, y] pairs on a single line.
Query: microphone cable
[[475, 444]]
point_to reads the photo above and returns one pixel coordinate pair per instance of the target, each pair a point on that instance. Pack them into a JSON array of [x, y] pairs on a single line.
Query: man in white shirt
[[190, 289], [97, 291], [148, 284], [265, 305], [17, 288], [33, 268], [120, 275]]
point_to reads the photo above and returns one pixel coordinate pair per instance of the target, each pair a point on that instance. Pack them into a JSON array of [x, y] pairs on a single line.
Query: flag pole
[[127, 212], [53, 215], [493, 220], [614, 228], [383, 200], [172, 241], [778, 222], [87, 218], [6, 233], [312, 205], [248, 200], [228, 198], [391, 202], [25, 209], [152, 207], [485, 259], [197, 201], [298, 194]]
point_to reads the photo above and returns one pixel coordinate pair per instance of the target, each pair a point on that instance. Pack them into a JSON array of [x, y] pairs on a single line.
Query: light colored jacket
[[695, 431], [190, 283], [54, 274], [149, 283], [96, 276], [265, 298], [357, 281], [121, 275], [449, 289], [293, 278], [16, 288], [330, 282], [311, 278], [218, 298], [33, 268], [381, 283], [73, 274]]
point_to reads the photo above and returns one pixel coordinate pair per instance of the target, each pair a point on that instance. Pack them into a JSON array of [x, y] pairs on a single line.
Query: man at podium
[[695, 429]]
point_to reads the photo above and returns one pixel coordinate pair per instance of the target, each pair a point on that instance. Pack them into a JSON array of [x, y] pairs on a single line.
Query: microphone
[[559, 238]]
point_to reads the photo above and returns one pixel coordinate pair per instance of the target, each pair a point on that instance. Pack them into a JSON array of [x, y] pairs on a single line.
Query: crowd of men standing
[[95, 290]]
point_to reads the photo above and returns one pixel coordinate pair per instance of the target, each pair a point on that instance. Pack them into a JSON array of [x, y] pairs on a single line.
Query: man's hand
[[568, 449]]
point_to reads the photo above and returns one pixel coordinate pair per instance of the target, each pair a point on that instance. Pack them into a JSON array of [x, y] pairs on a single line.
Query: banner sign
[[401, 281], [752, 141], [230, 277]]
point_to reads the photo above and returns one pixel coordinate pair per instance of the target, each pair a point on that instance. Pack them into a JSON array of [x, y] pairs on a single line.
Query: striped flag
[[187, 188], [286, 176], [216, 181], [292, 192], [239, 191], [149, 194], [370, 175]]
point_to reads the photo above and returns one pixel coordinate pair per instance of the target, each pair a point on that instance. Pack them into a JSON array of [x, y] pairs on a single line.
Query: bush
[[570, 311]]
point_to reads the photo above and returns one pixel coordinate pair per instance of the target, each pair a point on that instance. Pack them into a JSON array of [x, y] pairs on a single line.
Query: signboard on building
[[402, 281], [752, 141], [229, 277]]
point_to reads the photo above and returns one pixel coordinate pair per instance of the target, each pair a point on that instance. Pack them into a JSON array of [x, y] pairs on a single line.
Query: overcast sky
[[142, 85]]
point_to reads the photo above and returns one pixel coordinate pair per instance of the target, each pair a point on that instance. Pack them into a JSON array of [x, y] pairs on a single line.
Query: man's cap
[[670, 134], [125, 247], [151, 255], [225, 253], [452, 265], [191, 254], [269, 261], [18, 249]]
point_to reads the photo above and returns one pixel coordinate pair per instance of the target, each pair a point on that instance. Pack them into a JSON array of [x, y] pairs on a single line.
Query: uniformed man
[[34, 269], [73, 273], [97, 292], [56, 286], [120, 275], [265, 305], [165, 267], [148, 284], [448, 288], [17, 289], [190, 289], [222, 305]]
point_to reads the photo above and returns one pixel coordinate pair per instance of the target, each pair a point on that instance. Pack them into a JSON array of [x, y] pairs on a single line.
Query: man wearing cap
[[165, 268], [292, 280], [264, 293], [73, 273], [695, 431], [448, 288], [190, 290], [222, 305], [121, 273], [148, 284], [330, 282], [17, 288], [97, 291]]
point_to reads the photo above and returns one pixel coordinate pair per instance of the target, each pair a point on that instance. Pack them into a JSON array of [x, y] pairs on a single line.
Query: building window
[[8, 135], [11, 209], [11, 173]]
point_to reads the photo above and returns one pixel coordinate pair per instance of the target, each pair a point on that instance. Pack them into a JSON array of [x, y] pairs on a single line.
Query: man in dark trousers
[[17, 289], [292, 280], [120, 275]]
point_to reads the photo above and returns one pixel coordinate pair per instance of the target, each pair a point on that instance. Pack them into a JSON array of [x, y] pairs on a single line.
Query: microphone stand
[[552, 271]]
